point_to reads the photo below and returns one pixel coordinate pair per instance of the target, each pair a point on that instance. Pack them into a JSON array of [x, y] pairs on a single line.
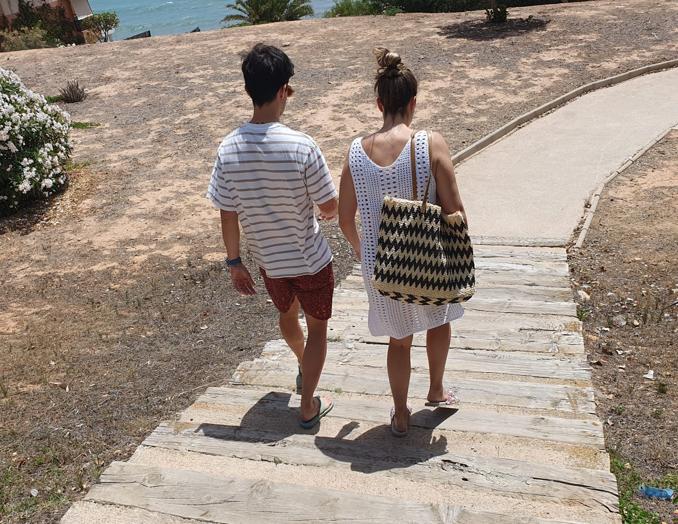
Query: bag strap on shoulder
[[429, 139], [413, 161]]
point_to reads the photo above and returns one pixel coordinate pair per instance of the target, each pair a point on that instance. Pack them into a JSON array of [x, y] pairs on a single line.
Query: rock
[[619, 321], [583, 295], [636, 323]]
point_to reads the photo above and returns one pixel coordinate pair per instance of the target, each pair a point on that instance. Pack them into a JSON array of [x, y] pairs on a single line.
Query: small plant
[[73, 92], [496, 13], [662, 388], [84, 125], [392, 11], [657, 413], [582, 313], [53, 99], [618, 410]]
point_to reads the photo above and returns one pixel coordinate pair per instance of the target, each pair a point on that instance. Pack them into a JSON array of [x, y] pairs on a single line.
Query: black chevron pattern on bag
[[423, 256]]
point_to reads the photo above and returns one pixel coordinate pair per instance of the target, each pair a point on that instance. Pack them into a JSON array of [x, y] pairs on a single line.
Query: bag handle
[[429, 138]]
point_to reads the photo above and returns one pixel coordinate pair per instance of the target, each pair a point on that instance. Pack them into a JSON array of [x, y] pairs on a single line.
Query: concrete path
[[526, 446], [534, 183]]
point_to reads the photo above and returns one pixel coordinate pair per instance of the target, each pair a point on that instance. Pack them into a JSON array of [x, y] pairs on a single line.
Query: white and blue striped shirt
[[271, 176]]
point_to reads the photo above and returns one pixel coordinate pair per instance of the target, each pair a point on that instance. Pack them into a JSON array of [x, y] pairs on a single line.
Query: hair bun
[[387, 60]]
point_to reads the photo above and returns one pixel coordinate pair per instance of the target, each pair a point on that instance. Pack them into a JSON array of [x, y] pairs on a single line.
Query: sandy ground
[[114, 311], [627, 267]]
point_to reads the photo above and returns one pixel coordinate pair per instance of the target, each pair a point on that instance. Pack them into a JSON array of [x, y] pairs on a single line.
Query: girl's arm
[[448, 195]]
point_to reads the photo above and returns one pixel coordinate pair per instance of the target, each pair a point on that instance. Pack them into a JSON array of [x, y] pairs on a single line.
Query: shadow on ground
[[271, 421], [480, 30]]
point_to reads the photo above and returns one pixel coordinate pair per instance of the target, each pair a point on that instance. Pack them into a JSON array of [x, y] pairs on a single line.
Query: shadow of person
[[272, 418], [377, 449]]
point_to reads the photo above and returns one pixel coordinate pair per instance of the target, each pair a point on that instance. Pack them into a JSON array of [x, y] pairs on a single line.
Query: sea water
[[168, 17]]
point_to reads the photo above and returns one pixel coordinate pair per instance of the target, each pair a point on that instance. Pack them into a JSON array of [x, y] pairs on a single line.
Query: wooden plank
[[345, 297], [89, 512], [575, 431], [532, 340], [486, 279], [569, 399], [462, 361], [478, 320], [501, 291], [434, 465], [195, 495]]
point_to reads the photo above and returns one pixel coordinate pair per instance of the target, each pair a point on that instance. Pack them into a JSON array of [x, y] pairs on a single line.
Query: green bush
[[102, 24], [353, 8], [25, 38], [253, 12], [34, 146], [59, 29]]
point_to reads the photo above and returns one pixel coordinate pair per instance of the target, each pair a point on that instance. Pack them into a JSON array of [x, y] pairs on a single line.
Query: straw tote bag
[[423, 255]]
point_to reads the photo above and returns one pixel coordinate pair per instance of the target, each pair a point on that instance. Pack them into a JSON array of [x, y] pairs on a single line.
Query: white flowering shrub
[[34, 146]]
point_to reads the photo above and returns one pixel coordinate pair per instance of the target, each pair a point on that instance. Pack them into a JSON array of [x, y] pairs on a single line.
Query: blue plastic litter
[[656, 493]]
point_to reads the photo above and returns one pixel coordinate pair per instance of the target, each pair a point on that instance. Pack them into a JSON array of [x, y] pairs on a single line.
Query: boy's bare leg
[[312, 365], [291, 331]]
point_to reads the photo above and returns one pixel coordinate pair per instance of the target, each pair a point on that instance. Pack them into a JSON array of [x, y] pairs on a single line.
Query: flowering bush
[[34, 144]]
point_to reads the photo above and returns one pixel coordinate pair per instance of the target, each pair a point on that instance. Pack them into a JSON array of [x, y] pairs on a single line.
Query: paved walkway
[[534, 183], [526, 447]]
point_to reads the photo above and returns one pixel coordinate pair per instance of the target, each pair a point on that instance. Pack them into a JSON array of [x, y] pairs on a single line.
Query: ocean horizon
[[169, 17]]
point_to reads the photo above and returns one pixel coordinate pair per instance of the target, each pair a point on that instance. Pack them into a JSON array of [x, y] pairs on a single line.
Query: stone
[[619, 321]]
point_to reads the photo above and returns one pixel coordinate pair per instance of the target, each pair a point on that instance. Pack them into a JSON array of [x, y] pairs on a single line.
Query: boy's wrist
[[233, 262]]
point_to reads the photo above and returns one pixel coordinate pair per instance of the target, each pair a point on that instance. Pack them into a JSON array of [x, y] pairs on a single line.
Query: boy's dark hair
[[266, 69]]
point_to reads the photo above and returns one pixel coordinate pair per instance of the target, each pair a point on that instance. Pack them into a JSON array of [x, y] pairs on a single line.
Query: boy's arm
[[320, 185], [230, 231]]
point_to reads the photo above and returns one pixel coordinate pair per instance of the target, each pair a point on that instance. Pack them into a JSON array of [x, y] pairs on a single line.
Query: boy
[[267, 177]]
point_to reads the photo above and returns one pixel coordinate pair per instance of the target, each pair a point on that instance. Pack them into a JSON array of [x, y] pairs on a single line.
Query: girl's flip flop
[[395, 431], [323, 409], [451, 401]]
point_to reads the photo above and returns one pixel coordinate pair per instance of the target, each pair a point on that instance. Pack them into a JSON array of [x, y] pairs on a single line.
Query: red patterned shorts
[[313, 291]]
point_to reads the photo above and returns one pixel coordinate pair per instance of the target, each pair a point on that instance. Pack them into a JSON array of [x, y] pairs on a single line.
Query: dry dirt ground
[[627, 267], [114, 309]]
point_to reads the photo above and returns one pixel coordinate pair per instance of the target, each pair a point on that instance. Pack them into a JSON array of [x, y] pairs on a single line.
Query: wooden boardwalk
[[525, 447]]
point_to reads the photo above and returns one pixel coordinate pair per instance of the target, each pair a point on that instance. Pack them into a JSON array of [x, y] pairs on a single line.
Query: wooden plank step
[[363, 459], [520, 252], [461, 361], [89, 511], [488, 305], [559, 344], [485, 279], [572, 400], [512, 265], [195, 495], [479, 320], [503, 291], [530, 340], [584, 432], [259, 415]]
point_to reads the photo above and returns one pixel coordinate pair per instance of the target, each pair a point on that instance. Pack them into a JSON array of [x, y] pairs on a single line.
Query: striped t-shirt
[[271, 176]]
